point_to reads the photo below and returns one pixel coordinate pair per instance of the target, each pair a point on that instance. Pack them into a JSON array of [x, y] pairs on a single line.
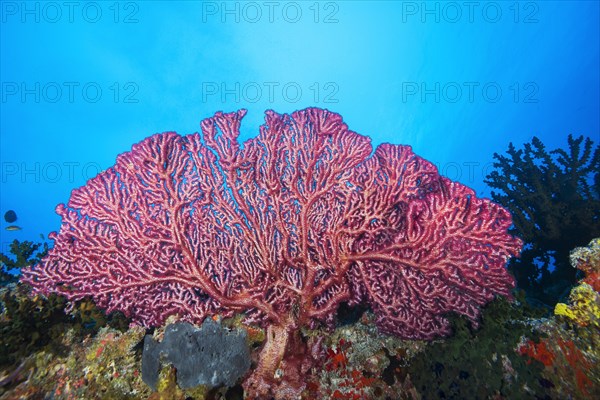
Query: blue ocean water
[[83, 81]]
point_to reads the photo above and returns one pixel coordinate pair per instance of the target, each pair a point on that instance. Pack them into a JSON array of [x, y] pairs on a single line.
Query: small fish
[[10, 216], [13, 228]]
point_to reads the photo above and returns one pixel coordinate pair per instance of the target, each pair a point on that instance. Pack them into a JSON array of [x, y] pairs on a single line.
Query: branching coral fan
[[284, 228], [554, 197]]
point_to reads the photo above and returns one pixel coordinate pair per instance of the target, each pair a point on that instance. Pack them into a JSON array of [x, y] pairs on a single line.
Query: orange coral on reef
[[337, 357], [353, 382], [563, 358], [537, 351], [578, 363]]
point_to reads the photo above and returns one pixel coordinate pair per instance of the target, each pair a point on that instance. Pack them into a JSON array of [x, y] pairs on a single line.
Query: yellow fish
[[13, 228]]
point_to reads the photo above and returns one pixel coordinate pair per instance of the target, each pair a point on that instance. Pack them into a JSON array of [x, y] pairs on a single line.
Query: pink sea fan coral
[[284, 228]]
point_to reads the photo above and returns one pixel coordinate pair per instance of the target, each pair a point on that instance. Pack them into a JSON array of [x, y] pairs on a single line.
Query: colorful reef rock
[[584, 307], [569, 347], [284, 228]]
